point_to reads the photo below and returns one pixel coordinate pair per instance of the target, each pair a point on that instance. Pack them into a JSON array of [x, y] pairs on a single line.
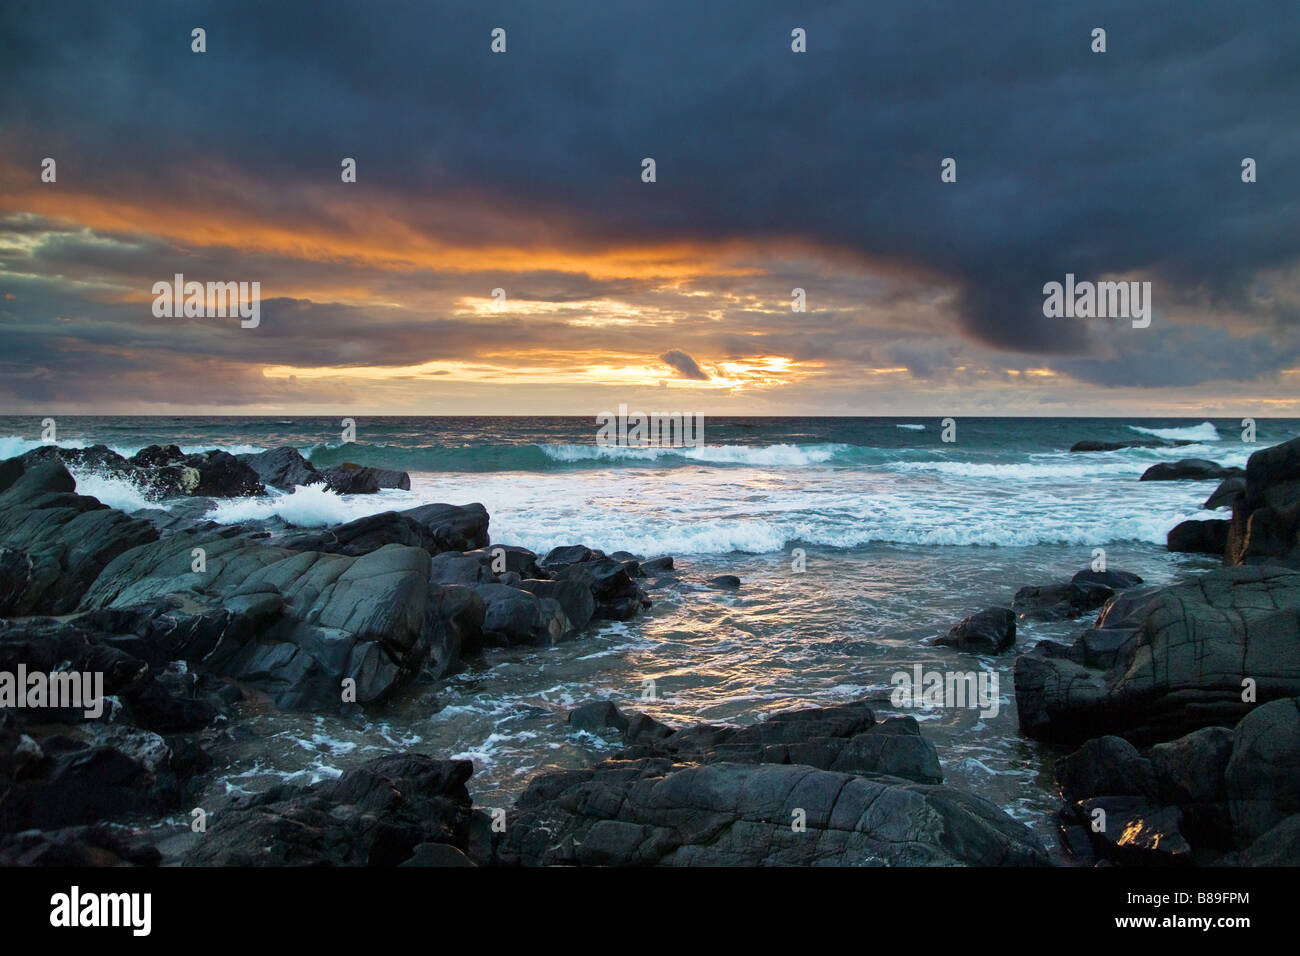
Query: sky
[[775, 170]]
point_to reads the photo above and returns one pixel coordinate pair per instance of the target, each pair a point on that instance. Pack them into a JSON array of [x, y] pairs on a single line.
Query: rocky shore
[[1177, 709]]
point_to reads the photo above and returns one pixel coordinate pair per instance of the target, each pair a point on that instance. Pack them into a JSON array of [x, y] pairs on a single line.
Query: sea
[[857, 542]]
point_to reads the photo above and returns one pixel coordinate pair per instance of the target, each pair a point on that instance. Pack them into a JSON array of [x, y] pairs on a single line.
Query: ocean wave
[[657, 535], [569, 457], [912, 428], [313, 506], [1202, 432], [115, 492]]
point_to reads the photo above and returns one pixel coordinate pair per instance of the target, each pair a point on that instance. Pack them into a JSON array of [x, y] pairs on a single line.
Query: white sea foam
[[114, 492], [912, 428], [1202, 432], [312, 506], [765, 455]]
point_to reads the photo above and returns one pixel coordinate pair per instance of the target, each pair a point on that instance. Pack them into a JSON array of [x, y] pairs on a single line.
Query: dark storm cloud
[[684, 365], [1068, 161]]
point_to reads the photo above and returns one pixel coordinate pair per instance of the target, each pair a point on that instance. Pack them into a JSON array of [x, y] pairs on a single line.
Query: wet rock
[[515, 616], [454, 527], [1199, 537], [1193, 645], [1262, 776], [351, 479], [1105, 767], [574, 597], [1280, 846], [1230, 490], [378, 814], [648, 813], [726, 582], [1137, 833], [283, 468], [1188, 469], [1116, 445], [55, 542], [1266, 519], [1113, 579], [366, 534], [598, 716], [81, 846], [987, 631], [1054, 602], [1190, 774]]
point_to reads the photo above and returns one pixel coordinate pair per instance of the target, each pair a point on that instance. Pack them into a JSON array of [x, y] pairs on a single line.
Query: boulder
[[350, 479], [1188, 469], [1227, 494], [378, 814], [1199, 537], [597, 716], [985, 632], [1191, 649], [283, 468], [1262, 776], [1105, 767], [1190, 774], [1054, 602], [1115, 580], [1266, 518], [648, 812], [454, 527], [55, 542]]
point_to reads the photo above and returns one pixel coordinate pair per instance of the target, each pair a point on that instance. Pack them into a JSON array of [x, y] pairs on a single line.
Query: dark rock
[[1115, 580], [80, 846], [1116, 445], [568, 554], [388, 478], [1137, 833], [1188, 469], [366, 534], [1280, 846], [657, 565], [283, 468], [350, 479], [647, 812], [1262, 776], [56, 542], [1105, 767], [728, 582], [987, 631], [1199, 537], [1266, 519], [514, 616], [1190, 775], [378, 814], [1230, 490], [1193, 646], [437, 854], [597, 716], [454, 527], [574, 597], [1054, 602]]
